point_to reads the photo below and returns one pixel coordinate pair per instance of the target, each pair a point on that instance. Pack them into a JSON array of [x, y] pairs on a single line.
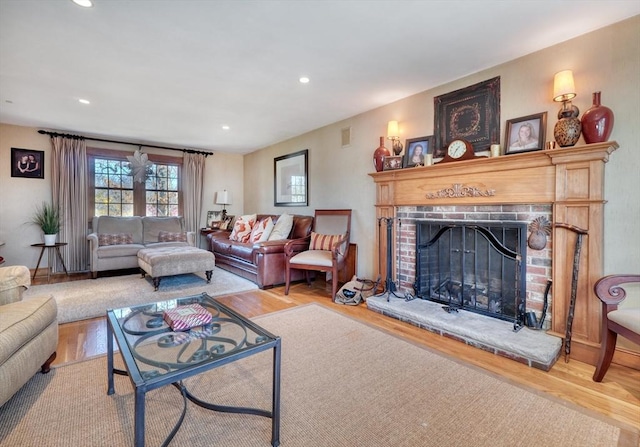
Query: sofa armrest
[[93, 250], [191, 238], [13, 281], [268, 247]]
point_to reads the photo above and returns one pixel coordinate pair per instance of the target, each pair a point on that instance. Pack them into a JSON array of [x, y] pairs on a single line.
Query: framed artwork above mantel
[[471, 113]]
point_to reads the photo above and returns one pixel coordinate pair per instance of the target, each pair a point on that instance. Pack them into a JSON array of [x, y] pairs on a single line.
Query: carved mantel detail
[[458, 190]]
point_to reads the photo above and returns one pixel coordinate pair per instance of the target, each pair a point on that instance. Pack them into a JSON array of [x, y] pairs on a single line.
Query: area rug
[[89, 298], [344, 383]]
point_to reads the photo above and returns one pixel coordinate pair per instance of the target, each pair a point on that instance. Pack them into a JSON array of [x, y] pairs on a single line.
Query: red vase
[[597, 122], [379, 154]]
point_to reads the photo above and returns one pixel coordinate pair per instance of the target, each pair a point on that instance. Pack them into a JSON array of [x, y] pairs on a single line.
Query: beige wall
[[607, 60], [20, 196]]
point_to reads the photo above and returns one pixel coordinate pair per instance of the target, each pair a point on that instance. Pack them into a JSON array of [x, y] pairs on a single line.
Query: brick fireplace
[[565, 185]]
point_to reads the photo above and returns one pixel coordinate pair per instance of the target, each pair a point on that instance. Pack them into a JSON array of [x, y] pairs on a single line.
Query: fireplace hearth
[[473, 265]]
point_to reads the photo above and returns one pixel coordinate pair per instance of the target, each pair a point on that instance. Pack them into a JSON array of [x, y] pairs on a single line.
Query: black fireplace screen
[[473, 265]]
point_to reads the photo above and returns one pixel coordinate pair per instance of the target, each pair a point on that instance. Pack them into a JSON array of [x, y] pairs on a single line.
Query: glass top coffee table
[[155, 356]]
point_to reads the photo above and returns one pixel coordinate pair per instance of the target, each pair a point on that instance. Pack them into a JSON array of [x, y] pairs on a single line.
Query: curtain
[[192, 185], [69, 183]]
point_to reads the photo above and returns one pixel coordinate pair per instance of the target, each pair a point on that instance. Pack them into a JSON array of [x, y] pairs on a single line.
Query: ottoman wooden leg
[[208, 273], [143, 273], [47, 365], [156, 283]]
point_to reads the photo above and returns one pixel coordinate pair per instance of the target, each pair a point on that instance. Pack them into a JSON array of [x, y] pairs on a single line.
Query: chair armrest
[[295, 246], [339, 248], [608, 289]]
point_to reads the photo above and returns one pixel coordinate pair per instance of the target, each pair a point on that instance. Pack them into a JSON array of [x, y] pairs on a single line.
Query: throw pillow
[[323, 241], [282, 228], [168, 236], [114, 239], [262, 230], [242, 228]]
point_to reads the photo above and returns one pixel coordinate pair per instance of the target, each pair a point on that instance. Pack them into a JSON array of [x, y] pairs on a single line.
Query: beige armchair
[[615, 321], [328, 245], [28, 331]]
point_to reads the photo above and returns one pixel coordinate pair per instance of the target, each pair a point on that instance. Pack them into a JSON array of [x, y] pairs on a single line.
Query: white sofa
[[115, 241]]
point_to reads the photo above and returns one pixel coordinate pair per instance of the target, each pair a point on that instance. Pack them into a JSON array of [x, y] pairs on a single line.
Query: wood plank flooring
[[618, 396]]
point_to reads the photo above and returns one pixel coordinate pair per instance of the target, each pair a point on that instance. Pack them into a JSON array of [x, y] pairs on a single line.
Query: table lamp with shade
[[568, 128], [223, 198]]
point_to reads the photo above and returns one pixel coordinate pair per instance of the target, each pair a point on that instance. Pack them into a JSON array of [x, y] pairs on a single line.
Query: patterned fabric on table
[[168, 236], [242, 228], [323, 241], [115, 239]]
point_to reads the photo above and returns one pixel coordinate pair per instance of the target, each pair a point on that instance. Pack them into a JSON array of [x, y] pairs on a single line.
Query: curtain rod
[[80, 137]]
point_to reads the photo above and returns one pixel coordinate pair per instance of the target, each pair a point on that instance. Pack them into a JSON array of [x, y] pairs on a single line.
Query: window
[[114, 193]]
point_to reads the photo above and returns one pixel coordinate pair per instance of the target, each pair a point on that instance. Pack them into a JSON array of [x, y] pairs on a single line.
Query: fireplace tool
[[574, 284], [389, 285]]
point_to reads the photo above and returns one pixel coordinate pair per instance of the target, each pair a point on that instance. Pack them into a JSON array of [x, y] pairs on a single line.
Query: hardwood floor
[[618, 396]]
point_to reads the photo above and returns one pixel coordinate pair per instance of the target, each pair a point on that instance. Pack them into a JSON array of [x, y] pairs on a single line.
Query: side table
[[50, 249]]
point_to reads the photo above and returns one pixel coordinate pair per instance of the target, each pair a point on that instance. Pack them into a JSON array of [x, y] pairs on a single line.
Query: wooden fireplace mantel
[[571, 179]]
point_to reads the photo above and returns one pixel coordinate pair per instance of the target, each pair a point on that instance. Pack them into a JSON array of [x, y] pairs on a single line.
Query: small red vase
[[597, 122], [379, 154]]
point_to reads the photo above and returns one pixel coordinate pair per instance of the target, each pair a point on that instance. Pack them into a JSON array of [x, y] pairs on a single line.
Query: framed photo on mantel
[[471, 113]]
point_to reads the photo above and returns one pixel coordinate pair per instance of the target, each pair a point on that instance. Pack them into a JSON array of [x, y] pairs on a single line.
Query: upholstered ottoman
[[169, 261]]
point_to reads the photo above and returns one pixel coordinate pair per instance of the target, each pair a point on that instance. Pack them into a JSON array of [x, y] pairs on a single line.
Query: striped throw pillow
[[323, 241]]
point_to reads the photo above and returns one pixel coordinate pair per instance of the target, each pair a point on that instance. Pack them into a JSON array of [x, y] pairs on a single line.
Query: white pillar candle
[[495, 150], [428, 160]]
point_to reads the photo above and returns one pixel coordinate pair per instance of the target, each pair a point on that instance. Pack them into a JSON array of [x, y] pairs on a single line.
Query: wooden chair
[[325, 253], [624, 322]]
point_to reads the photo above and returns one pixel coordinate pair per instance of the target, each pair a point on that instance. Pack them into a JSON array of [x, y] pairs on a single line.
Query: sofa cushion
[[114, 239], [240, 250], [117, 224], [242, 228], [116, 251], [167, 236], [282, 227], [261, 230], [323, 241], [22, 321], [152, 226]]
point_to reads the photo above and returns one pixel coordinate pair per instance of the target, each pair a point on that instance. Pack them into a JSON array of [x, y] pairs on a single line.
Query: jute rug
[[89, 298], [343, 384]]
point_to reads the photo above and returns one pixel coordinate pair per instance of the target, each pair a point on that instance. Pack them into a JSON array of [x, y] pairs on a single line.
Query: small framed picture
[[391, 162], [526, 134], [27, 163], [416, 149], [226, 223], [214, 218]]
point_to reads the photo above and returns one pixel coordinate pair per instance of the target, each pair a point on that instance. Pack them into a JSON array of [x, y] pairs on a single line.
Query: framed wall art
[[416, 149], [525, 134], [290, 179], [27, 163], [471, 113]]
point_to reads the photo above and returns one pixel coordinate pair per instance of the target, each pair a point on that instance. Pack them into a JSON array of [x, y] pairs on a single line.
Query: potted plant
[[47, 217]]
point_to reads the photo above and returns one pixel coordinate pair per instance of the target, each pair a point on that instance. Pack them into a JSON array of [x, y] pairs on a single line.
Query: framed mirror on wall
[[290, 179]]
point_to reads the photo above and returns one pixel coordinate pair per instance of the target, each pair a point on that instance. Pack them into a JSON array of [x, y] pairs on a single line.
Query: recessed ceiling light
[[84, 101], [83, 3], [225, 127], [304, 80]]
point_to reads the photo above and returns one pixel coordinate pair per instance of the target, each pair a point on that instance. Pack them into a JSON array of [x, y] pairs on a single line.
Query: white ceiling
[[173, 72]]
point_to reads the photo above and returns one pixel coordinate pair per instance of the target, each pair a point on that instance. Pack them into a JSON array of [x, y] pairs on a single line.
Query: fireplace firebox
[[477, 266]]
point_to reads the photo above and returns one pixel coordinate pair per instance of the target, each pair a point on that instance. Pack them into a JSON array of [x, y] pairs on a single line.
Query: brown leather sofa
[[262, 262]]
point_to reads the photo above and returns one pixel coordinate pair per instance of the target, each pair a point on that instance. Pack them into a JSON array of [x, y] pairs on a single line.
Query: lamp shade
[[392, 130], [223, 198], [564, 88]]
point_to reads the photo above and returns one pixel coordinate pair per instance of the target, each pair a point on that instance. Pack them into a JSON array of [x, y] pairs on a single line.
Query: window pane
[[127, 210]]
